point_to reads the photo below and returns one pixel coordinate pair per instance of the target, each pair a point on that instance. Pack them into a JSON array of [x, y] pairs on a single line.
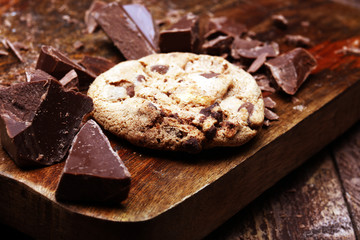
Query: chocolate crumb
[[270, 114], [269, 103], [280, 21], [298, 41]]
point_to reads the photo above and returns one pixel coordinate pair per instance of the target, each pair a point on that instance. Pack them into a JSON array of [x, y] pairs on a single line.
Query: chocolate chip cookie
[[178, 102]]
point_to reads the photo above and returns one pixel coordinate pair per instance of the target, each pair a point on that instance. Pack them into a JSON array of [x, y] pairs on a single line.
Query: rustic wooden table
[[319, 200]]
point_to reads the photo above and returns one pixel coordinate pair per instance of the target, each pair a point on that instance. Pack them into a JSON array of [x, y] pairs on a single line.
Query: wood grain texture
[[346, 152], [180, 196], [308, 204]]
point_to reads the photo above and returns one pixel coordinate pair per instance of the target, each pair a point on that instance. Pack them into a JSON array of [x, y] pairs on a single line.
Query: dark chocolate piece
[[89, 19], [145, 22], [264, 83], [291, 69], [249, 48], [270, 115], [280, 21], [58, 64], [269, 103], [38, 75], [124, 32], [96, 65], [93, 171], [298, 40], [39, 121], [12, 47], [218, 46], [181, 36], [223, 26], [70, 81], [259, 61]]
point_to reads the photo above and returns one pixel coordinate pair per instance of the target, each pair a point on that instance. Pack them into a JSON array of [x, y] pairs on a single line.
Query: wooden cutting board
[[174, 195]]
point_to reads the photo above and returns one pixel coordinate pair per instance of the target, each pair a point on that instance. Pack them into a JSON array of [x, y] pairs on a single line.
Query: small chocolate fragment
[[269, 103], [181, 36], [259, 61], [280, 21], [291, 69], [298, 40], [270, 115], [218, 46], [70, 81], [58, 64], [249, 48], [126, 35], [89, 19], [96, 65], [38, 75], [264, 83], [39, 120], [93, 171], [78, 45], [13, 48]]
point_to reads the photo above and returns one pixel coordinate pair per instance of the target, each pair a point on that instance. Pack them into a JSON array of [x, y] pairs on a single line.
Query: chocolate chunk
[[70, 81], [264, 83], [130, 90], [223, 26], [253, 48], [15, 50], [298, 40], [143, 19], [140, 78], [249, 108], [162, 69], [126, 35], [259, 61], [291, 69], [58, 64], [280, 21], [39, 121], [218, 46], [209, 75], [270, 115], [207, 111], [93, 171], [211, 133], [269, 103], [96, 65], [89, 19], [182, 36], [38, 75]]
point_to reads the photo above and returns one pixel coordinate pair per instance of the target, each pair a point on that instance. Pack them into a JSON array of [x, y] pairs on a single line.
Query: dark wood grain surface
[[330, 105]]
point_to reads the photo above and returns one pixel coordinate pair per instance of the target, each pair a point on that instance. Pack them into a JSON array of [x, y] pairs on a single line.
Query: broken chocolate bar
[[181, 36], [58, 65], [93, 171], [39, 121], [97, 65], [291, 69], [126, 35]]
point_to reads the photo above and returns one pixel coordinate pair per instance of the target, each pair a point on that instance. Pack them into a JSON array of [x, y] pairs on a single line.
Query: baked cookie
[[179, 102]]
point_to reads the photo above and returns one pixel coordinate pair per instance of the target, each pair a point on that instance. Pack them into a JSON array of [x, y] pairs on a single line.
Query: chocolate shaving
[[269, 103], [298, 40], [270, 115], [3, 53], [253, 48], [70, 81], [259, 61], [89, 19], [14, 50], [38, 75]]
